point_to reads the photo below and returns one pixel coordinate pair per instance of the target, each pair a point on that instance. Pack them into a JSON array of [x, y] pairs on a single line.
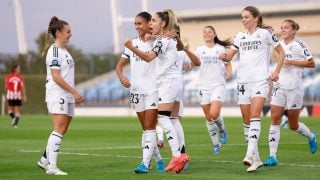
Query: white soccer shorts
[[216, 94], [247, 91], [289, 99], [142, 102], [62, 107]]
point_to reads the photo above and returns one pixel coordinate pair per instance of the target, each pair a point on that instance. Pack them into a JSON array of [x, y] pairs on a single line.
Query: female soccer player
[[168, 81], [144, 93], [61, 96], [15, 93], [287, 93], [253, 74], [212, 81]]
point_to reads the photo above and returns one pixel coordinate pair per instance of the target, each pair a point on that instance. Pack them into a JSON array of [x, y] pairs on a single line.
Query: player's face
[[248, 21], [156, 25], [287, 32], [208, 35], [65, 34], [142, 26]]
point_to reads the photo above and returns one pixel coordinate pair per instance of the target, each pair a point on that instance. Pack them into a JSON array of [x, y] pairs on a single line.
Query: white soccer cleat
[[56, 171], [247, 161], [255, 166], [43, 165]]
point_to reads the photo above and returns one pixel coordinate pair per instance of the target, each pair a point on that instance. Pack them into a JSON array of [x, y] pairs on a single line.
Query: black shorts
[[14, 102]]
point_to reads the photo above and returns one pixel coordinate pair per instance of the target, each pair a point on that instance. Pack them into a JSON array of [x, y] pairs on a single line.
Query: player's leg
[[274, 134], [301, 128]]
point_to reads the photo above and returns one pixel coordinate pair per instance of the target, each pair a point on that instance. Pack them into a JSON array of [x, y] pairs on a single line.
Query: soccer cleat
[[186, 166], [247, 161], [56, 171], [173, 162], [183, 160], [271, 161], [141, 169], [43, 165], [216, 149], [255, 166], [313, 143], [160, 144], [223, 137], [160, 166]]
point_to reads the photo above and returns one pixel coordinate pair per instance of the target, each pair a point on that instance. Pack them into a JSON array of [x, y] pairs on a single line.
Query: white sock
[[159, 133], [253, 137], [220, 123], [143, 138], [171, 134], [246, 131], [177, 125], [304, 130], [274, 138], [149, 146], [213, 131], [53, 148], [156, 154]]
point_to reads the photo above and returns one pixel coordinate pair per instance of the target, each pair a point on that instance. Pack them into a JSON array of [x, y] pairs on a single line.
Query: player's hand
[[125, 82], [275, 76], [127, 43], [223, 56]]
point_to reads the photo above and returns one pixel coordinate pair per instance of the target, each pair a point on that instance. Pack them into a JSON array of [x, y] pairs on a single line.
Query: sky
[[90, 20]]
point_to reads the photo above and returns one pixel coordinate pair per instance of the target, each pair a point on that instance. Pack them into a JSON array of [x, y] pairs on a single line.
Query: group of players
[[158, 56]]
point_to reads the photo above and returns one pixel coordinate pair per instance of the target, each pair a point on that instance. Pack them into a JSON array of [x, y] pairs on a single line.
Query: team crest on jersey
[[290, 48]]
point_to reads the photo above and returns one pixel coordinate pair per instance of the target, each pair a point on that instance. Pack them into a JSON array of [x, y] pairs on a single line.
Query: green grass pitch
[[109, 148]]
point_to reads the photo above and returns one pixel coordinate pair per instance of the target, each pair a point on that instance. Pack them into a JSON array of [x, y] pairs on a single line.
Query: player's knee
[[213, 115]]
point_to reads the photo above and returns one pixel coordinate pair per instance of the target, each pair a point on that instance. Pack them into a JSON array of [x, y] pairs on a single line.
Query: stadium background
[[97, 80]]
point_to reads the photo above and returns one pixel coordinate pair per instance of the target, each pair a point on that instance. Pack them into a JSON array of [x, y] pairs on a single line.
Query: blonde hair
[[170, 19]]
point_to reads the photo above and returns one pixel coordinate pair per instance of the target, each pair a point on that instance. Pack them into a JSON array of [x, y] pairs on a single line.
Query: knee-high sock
[[53, 148], [177, 125], [254, 134], [304, 130], [274, 138], [213, 131], [159, 132], [171, 134], [156, 154], [220, 123], [246, 131], [150, 138]]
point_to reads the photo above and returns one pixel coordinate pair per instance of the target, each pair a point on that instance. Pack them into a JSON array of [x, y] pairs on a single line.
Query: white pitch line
[[139, 157], [188, 145]]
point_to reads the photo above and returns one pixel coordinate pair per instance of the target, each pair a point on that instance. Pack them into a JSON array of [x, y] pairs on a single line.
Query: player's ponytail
[[55, 25]]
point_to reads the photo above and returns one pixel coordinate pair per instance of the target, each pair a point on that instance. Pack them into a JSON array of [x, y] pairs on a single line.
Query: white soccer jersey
[[254, 53], [166, 51], [182, 59], [59, 58], [291, 77], [212, 69], [143, 74]]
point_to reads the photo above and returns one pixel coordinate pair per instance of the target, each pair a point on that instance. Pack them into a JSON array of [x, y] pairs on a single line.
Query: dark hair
[[216, 40], [55, 25], [294, 25], [256, 13], [145, 15], [169, 18], [13, 68]]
